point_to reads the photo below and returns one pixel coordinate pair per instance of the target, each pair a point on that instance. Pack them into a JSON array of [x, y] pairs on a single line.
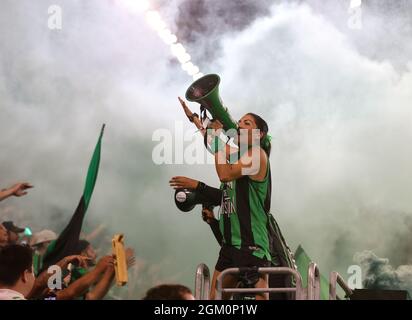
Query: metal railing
[[313, 289], [312, 292], [298, 289], [202, 282], [334, 279]]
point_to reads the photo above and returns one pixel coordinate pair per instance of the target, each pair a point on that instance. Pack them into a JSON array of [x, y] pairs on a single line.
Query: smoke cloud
[[378, 274], [337, 102]]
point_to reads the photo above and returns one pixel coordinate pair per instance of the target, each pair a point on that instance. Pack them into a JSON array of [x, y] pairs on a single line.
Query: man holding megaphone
[[244, 196]]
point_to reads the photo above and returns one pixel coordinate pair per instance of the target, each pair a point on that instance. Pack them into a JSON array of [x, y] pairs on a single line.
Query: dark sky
[[386, 24]]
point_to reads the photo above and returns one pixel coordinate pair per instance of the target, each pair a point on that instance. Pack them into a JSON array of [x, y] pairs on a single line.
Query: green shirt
[[244, 214]]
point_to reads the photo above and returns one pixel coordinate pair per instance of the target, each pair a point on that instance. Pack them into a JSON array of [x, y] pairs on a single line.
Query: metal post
[[282, 270], [313, 282], [202, 282], [335, 278]]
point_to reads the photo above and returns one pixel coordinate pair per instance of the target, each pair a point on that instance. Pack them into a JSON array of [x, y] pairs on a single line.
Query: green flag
[[67, 242], [93, 171]]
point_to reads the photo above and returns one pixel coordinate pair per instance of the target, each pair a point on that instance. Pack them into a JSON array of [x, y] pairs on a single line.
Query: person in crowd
[[17, 279], [100, 288], [169, 292], [13, 231], [39, 242], [100, 278], [16, 272], [4, 236]]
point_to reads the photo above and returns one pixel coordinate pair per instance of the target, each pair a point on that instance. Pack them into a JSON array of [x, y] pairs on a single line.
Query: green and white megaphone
[[206, 92]]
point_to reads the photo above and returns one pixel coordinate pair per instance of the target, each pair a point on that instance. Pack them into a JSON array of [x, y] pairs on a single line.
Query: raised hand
[[130, 258], [106, 262], [186, 109], [19, 189], [79, 260], [183, 183]]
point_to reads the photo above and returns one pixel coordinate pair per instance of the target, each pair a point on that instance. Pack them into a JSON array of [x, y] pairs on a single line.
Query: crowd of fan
[[80, 275]]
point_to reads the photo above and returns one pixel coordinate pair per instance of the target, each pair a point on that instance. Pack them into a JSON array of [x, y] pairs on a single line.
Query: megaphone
[[205, 91], [186, 199]]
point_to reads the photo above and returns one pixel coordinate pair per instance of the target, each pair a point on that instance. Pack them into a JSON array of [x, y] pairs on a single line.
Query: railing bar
[[298, 289]]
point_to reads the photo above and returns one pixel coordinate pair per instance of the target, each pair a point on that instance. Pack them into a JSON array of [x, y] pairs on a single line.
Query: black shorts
[[231, 257]]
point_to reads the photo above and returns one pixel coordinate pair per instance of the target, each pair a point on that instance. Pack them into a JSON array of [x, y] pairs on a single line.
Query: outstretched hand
[[106, 262], [19, 189], [79, 260], [186, 109], [183, 183], [193, 117]]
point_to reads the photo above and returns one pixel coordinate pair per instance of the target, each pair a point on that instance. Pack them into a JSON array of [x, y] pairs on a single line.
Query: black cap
[[10, 226]]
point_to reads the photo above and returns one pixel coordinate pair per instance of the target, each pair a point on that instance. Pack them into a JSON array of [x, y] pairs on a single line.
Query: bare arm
[[17, 190], [105, 283], [253, 164], [199, 126], [80, 286], [40, 283], [192, 117], [103, 286]]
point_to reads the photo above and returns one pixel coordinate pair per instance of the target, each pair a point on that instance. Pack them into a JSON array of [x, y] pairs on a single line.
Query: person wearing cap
[[13, 231], [39, 242], [17, 190]]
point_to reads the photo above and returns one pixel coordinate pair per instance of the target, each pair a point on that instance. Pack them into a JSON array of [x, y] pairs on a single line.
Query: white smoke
[[340, 121], [341, 127]]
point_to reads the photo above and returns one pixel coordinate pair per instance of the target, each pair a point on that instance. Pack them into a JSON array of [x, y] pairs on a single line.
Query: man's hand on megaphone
[[183, 183]]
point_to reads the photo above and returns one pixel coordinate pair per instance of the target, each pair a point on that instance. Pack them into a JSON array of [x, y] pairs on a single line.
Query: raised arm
[[194, 118], [17, 190], [103, 285], [41, 281], [212, 196], [81, 285]]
